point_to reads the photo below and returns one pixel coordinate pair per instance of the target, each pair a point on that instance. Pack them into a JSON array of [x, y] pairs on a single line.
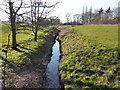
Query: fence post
[[6, 60]]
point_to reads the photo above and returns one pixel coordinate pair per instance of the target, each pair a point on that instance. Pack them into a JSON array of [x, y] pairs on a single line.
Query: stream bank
[[53, 77], [32, 75], [62, 33], [86, 61]]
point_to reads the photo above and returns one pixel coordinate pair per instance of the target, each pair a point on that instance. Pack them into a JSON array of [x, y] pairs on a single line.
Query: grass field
[[90, 57], [25, 42], [28, 50], [106, 34]]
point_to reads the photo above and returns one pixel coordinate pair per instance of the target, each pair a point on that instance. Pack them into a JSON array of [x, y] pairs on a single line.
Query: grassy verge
[[87, 62], [105, 34], [29, 53]]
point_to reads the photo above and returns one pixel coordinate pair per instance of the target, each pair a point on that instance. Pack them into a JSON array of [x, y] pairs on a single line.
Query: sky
[[76, 7]]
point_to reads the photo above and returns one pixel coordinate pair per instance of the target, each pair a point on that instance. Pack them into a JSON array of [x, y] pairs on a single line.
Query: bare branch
[[23, 13], [46, 6], [19, 7], [4, 11]]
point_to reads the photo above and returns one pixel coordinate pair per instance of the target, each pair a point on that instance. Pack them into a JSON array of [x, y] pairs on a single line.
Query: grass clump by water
[[88, 63]]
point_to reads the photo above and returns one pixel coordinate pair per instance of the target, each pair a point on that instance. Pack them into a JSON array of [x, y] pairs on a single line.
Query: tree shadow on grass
[[22, 47], [87, 71], [33, 62], [81, 84], [6, 62], [25, 33], [19, 50]]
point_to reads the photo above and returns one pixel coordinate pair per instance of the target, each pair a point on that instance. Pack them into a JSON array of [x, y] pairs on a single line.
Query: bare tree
[[54, 20], [107, 16], [83, 16], [101, 14], [12, 10], [13, 14], [86, 16], [90, 15], [77, 18], [68, 16], [39, 11], [115, 15], [96, 16]]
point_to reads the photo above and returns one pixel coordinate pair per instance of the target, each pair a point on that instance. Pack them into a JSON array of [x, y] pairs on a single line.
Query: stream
[[52, 74]]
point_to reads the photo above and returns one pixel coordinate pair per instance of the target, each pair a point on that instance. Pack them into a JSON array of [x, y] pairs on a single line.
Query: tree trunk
[[14, 38], [13, 26], [36, 37], [36, 33]]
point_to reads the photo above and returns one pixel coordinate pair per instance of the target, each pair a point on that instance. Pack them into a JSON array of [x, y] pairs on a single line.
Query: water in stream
[[52, 75]]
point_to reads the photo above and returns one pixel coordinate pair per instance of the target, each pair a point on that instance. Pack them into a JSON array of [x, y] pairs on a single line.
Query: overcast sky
[[76, 6]]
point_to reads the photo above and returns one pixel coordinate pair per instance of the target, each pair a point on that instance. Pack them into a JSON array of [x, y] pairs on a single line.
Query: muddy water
[[52, 75]]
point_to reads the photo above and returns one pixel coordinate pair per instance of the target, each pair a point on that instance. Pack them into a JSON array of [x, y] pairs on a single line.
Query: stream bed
[[52, 74]]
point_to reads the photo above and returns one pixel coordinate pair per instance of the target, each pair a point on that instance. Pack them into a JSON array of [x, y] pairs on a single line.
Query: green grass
[[28, 49], [25, 40], [106, 34], [21, 36], [89, 62]]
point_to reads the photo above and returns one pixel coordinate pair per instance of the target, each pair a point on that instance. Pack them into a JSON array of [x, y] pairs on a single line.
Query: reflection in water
[[52, 75]]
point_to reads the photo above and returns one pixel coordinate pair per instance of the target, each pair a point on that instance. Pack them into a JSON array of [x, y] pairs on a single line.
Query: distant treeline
[[100, 16]]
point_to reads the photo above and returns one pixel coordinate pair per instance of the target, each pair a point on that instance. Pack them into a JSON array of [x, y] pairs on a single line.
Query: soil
[[34, 76], [64, 31]]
